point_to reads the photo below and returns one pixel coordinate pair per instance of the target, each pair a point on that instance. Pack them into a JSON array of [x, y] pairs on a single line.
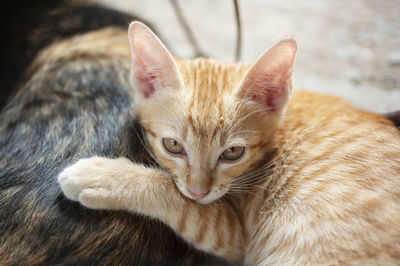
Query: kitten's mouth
[[205, 200], [202, 198], [198, 196]]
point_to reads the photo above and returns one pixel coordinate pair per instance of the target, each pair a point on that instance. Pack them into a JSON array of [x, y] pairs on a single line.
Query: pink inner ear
[[273, 88], [276, 97], [144, 80], [153, 67], [268, 80]]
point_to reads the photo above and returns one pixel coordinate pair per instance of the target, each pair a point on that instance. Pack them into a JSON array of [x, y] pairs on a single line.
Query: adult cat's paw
[[93, 181]]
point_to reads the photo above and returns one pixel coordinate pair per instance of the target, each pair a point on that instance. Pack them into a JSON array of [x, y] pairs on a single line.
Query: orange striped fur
[[319, 182]]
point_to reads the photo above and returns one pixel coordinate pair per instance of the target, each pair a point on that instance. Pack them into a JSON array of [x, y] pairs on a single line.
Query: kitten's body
[[332, 196], [318, 183]]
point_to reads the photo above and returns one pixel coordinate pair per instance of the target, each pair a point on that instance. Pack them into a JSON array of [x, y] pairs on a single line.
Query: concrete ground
[[347, 48]]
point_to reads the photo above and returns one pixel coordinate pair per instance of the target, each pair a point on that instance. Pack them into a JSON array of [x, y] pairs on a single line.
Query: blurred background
[[347, 48]]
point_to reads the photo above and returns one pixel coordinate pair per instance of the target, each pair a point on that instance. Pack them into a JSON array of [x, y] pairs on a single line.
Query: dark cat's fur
[[65, 110], [395, 117]]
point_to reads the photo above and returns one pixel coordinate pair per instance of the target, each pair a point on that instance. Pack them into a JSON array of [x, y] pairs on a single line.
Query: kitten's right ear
[[153, 67], [268, 81]]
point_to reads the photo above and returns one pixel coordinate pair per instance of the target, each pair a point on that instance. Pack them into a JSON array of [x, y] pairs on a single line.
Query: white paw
[[89, 181]]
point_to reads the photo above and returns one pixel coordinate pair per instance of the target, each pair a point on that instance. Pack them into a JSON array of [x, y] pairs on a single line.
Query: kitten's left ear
[[153, 67], [268, 81]]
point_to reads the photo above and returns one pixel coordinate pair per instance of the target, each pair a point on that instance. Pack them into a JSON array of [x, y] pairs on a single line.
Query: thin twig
[[238, 53], [186, 28]]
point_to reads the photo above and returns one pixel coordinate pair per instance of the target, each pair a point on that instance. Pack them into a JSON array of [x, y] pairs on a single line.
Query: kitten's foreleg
[[119, 184]]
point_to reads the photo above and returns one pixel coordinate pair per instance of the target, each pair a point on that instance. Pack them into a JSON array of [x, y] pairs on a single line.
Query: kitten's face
[[207, 122], [204, 133]]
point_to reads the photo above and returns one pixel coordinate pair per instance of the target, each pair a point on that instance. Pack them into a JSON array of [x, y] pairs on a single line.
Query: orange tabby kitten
[[249, 174]]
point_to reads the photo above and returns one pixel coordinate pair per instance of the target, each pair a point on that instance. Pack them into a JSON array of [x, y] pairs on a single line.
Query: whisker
[[258, 178]]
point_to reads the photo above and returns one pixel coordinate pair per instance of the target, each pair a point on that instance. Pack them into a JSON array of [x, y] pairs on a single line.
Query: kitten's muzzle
[[198, 194]]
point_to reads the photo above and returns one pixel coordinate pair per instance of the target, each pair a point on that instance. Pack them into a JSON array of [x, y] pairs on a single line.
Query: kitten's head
[[208, 122]]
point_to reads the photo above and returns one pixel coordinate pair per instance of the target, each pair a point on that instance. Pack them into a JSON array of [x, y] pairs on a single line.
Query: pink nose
[[198, 195]]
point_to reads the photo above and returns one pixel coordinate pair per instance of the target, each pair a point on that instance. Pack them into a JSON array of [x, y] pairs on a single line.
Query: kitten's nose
[[198, 195]]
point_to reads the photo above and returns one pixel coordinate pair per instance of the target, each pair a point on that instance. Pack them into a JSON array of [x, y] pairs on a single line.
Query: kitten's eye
[[173, 146], [233, 153]]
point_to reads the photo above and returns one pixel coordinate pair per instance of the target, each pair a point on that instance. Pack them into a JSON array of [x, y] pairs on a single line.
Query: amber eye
[[173, 146], [233, 153]]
